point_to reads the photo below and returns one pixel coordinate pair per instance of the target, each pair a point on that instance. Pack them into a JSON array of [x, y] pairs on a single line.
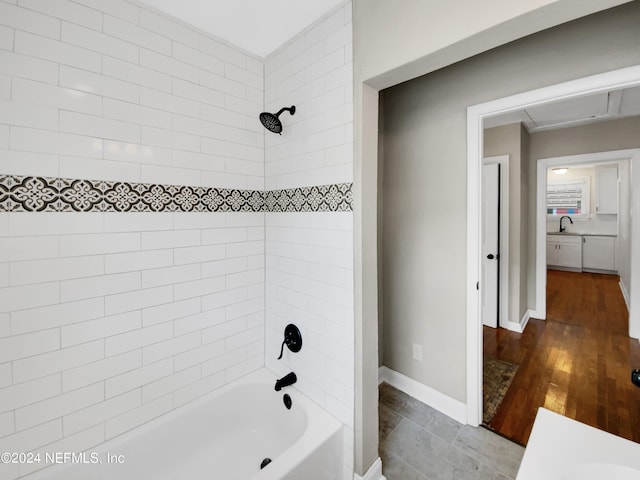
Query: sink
[[560, 448], [598, 471]]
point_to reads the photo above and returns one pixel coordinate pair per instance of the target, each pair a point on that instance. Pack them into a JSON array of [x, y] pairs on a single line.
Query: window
[[569, 197]]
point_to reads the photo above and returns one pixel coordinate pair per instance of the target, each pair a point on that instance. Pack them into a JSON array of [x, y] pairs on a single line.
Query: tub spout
[[288, 379]]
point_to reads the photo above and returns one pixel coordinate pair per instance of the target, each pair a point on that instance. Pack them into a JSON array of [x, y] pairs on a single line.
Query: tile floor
[[419, 443]]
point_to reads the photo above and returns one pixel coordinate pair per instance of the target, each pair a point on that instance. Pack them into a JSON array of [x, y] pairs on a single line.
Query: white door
[[490, 243]]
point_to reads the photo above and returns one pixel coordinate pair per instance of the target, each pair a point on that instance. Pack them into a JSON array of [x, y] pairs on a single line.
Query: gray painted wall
[[527, 289], [424, 209], [380, 221], [598, 137]]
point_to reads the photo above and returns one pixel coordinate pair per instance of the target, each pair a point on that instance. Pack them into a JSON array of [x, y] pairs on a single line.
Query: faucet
[[288, 379], [562, 229]]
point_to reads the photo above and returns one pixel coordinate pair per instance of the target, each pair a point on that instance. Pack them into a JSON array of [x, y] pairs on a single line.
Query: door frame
[[541, 218], [503, 277], [613, 80]]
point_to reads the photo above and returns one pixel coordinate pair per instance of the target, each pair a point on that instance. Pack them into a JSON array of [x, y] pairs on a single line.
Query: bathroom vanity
[[560, 448]]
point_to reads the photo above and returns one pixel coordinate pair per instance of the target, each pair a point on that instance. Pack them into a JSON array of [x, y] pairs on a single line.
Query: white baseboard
[[512, 326], [441, 402], [374, 472], [518, 326], [525, 319], [625, 294], [539, 314]]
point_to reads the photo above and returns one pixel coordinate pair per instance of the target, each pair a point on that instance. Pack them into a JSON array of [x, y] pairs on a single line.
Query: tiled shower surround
[[175, 239], [309, 256]]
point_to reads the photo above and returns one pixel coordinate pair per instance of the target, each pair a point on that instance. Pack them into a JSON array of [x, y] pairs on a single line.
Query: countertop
[[577, 234], [559, 446]]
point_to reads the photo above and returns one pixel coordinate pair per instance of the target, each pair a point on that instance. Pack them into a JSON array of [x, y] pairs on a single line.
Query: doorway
[[547, 369], [618, 79], [627, 252], [577, 361]]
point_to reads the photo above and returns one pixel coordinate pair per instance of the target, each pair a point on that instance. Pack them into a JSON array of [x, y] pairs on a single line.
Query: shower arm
[[291, 110]]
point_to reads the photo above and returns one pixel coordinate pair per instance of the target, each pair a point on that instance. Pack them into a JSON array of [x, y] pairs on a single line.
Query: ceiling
[[595, 108], [257, 26]]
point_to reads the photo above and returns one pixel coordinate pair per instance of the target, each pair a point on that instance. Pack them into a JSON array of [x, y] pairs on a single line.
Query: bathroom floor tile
[[429, 454], [396, 469], [504, 455], [419, 443], [488, 473], [424, 415], [389, 420]]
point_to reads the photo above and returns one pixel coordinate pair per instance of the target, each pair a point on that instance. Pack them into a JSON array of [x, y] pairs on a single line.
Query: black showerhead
[[271, 121]]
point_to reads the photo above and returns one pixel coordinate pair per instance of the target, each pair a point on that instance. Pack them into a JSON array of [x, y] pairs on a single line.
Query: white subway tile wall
[[112, 88], [309, 256], [313, 71], [309, 275], [108, 320]]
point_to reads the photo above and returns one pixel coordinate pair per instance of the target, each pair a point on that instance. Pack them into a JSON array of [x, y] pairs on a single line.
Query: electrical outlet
[[417, 352]]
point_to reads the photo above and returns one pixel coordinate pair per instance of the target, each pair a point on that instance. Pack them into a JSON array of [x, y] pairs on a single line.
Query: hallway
[[576, 363]]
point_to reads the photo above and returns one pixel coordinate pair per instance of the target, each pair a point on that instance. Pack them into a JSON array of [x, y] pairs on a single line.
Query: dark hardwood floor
[[577, 363]]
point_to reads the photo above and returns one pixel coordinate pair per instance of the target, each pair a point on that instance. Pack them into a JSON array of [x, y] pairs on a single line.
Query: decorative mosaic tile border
[[324, 198], [46, 194]]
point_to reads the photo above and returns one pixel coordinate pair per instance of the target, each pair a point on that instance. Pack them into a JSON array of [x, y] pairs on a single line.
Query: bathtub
[[224, 435]]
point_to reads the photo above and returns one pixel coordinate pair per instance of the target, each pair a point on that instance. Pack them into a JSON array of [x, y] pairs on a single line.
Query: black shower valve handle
[[292, 339], [282, 348]]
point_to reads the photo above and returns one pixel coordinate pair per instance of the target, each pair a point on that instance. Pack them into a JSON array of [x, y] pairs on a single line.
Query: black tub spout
[[288, 379]]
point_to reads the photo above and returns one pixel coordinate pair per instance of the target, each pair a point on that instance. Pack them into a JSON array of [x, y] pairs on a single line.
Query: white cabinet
[[582, 252], [564, 251], [607, 189], [598, 253], [570, 252], [552, 251]]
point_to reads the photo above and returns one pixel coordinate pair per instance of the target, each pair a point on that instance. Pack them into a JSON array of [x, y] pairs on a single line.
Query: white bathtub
[[225, 435]]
